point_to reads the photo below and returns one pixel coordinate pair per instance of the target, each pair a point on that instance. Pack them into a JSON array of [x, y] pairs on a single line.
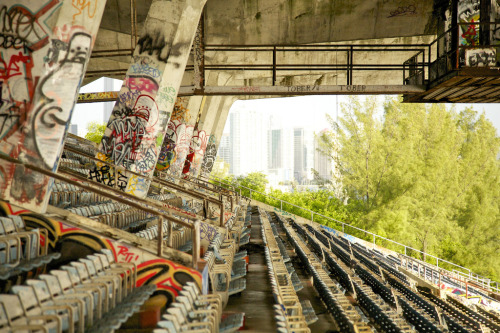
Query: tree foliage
[[95, 131], [422, 175]]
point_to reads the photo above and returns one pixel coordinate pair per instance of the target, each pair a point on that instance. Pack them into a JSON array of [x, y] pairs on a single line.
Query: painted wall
[[45, 46], [469, 12]]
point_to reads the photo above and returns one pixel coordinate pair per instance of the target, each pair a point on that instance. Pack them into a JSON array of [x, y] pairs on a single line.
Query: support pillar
[[45, 50], [135, 131], [214, 140], [201, 135], [180, 129]]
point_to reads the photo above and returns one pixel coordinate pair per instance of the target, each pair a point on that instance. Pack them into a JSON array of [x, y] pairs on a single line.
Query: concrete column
[[201, 135], [180, 128], [135, 131], [44, 52], [215, 137], [203, 127]]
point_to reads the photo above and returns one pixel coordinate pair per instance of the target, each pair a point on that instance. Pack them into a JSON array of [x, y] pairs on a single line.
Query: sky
[[310, 111], [304, 111]]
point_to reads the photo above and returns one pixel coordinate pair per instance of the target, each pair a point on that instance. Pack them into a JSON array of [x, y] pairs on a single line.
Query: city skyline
[[283, 150], [306, 112]]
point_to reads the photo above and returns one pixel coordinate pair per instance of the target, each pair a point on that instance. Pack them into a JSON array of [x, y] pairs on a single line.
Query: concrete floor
[[257, 299]]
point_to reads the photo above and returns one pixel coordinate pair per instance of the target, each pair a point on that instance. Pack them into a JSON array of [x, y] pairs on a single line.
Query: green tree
[[422, 175], [95, 131], [257, 181], [220, 168]]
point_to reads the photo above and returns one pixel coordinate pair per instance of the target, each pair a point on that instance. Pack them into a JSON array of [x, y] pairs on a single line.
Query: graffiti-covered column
[[44, 52], [215, 137], [180, 128], [135, 131], [201, 135]]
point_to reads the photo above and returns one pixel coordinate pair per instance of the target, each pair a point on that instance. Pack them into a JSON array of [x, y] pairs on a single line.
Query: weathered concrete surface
[[294, 22], [256, 301], [175, 147], [274, 22], [307, 21]]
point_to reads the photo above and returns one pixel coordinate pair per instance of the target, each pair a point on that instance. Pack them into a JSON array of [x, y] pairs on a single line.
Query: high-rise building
[[249, 130], [280, 159], [108, 106], [275, 149], [322, 163], [303, 154], [73, 129], [224, 148]]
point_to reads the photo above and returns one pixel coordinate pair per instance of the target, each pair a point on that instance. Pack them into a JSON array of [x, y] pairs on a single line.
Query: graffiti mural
[[199, 143], [468, 12], [133, 136], [44, 50], [176, 142], [54, 112], [210, 156], [74, 243], [495, 29], [480, 57]]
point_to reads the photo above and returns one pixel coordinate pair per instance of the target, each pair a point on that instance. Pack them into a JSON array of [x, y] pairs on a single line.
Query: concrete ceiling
[[275, 22]]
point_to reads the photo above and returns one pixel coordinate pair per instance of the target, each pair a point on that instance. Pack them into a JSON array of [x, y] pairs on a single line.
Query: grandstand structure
[[129, 235]]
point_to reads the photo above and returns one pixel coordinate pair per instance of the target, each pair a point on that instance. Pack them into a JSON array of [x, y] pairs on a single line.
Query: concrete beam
[[313, 90]]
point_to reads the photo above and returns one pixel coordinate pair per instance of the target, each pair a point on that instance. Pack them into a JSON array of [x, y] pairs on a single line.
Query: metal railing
[[153, 208], [429, 273], [463, 272], [112, 173], [349, 58]]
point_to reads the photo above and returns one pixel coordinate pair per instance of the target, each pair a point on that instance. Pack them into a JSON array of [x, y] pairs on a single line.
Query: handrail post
[[160, 236], [205, 208], [170, 229], [196, 244], [274, 66], [222, 214]]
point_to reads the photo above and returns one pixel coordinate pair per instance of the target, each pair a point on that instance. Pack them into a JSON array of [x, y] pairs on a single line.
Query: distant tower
[[108, 106], [224, 148], [322, 163], [73, 129], [248, 155]]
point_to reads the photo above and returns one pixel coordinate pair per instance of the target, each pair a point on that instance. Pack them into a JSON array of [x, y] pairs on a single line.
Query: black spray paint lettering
[[303, 88], [353, 88]]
